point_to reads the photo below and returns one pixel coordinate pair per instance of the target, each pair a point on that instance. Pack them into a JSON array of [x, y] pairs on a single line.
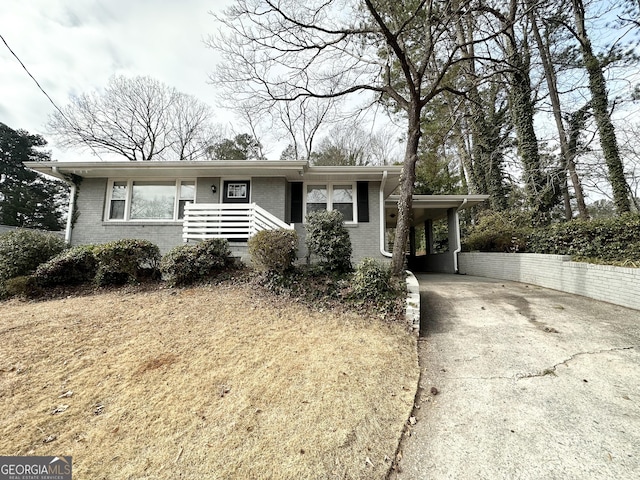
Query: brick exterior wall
[[270, 193], [203, 190], [611, 284], [365, 237], [91, 227]]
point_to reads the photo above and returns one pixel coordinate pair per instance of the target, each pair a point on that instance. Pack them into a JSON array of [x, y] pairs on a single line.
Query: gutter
[[459, 249], [72, 204], [383, 251]]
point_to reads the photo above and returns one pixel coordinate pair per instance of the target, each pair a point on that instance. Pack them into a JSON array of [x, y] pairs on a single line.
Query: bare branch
[[139, 118]]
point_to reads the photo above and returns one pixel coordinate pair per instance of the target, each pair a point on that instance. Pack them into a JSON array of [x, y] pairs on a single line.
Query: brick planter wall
[[617, 285]]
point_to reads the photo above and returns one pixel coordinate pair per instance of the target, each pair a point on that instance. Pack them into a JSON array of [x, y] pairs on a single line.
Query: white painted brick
[[617, 285]]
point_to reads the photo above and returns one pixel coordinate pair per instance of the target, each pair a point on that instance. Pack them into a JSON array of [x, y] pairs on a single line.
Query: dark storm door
[[236, 191]]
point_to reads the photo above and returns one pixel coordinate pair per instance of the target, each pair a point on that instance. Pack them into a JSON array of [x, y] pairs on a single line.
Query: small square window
[[237, 190]]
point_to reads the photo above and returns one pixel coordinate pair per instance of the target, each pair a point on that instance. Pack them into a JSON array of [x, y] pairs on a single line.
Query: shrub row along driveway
[[531, 383]]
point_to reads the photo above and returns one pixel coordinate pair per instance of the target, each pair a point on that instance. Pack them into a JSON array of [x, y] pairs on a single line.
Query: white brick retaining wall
[[617, 285], [412, 312]]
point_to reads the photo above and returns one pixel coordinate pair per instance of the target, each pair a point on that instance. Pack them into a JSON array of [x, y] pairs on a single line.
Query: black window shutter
[[363, 201], [296, 202]]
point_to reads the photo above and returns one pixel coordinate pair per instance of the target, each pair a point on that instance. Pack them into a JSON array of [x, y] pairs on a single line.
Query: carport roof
[[431, 207]]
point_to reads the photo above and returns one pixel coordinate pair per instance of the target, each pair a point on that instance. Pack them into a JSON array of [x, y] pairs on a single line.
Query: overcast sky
[[74, 46]]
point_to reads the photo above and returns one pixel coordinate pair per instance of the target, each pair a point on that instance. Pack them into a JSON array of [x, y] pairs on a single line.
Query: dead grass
[[206, 382]]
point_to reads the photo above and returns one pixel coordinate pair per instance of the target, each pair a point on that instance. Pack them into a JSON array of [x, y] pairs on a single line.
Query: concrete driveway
[[531, 384]]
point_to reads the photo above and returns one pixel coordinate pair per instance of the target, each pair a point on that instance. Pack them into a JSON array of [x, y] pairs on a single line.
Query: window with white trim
[[237, 190], [187, 194], [331, 197], [149, 200]]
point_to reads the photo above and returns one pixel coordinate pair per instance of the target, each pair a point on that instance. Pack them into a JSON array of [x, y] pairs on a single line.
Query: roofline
[[285, 165], [126, 165], [394, 169], [292, 170], [441, 198]]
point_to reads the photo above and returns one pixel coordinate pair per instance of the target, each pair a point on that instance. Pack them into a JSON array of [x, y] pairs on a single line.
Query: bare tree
[[350, 144], [401, 51], [302, 119], [139, 118]]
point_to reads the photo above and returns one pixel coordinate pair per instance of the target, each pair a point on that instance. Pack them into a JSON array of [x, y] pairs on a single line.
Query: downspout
[[383, 250], [459, 249], [72, 204]]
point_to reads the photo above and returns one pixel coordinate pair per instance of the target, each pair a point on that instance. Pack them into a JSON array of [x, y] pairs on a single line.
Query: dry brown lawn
[[203, 383]]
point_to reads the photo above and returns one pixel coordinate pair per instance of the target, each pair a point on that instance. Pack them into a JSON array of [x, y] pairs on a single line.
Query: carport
[[428, 209]]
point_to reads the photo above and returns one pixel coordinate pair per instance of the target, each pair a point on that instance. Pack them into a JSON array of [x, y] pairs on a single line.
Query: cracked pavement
[[531, 384]]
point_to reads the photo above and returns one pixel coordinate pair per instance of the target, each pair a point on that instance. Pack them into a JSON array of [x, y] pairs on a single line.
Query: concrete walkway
[[531, 384]]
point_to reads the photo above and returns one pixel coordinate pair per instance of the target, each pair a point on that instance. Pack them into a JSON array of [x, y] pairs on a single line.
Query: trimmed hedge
[[187, 264], [72, 267], [610, 240], [21, 251], [274, 250], [127, 260], [328, 238]]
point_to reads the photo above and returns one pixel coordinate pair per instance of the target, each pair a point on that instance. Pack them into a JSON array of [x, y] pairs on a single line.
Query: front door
[[236, 191]]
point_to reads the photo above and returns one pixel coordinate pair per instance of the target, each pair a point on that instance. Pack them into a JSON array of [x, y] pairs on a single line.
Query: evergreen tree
[[27, 199], [241, 147]]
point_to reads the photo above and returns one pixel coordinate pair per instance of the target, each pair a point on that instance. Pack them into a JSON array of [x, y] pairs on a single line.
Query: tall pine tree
[[27, 199]]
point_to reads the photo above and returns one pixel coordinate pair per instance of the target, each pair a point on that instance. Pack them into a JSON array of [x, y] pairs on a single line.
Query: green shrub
[[328, 238], [71, 267], [608, 240], [274, 250], [213, 254], [22, 286], [499, 232], [178, 265], [186, 264], [126, 260], [21, 251], [372, 280], [611, 239]]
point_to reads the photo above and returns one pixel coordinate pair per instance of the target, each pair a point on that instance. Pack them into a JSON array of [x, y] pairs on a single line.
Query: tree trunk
[[600, 106], [407, 181], [568, 157], [486, 167], [522, 113]]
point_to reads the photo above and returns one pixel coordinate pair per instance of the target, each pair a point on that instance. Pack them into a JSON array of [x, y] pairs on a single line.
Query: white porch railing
[[237, 221]]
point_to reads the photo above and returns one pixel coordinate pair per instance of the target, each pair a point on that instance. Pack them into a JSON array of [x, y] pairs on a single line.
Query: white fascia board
[[213, 168]]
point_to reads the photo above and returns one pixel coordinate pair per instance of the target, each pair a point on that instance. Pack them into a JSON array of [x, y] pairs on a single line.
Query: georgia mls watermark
[[35, 468]]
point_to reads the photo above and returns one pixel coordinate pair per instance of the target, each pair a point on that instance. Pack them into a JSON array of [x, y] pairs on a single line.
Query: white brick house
[[170, 203]]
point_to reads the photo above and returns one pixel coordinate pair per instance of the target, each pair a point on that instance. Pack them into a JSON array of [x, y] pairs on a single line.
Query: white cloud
[[74, 46]]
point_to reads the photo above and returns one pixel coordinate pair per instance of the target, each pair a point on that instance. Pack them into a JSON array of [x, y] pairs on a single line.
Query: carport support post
[[454, 229], [428, 236], [454, 235], [412, 241]]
